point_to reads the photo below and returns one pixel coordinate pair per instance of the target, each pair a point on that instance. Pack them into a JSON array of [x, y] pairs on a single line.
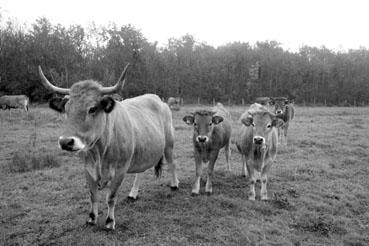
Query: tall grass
[[32, 156]]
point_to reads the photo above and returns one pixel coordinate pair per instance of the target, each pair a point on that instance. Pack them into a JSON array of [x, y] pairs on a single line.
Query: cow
[[117, 97], [257, 143], [284, 109], [262, 100], [174, 103], [114, 138], [211, 132], [14, 101]]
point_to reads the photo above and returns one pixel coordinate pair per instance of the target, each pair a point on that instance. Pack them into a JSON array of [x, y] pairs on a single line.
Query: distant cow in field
[[257, 143], [114, 138], [263, 100], [212, 131], [174, 103], [117, 97], [284, 109], [15, 101]]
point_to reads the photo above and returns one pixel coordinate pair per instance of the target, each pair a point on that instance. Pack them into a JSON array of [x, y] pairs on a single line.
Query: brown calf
[[212, 131], [257, 143], [284, 110]]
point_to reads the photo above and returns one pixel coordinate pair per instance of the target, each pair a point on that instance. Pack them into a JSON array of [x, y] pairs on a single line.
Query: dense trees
[[184, 67]]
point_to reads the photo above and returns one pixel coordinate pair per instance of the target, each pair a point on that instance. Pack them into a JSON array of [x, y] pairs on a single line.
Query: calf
[[262, 100], [174, 103], [284, 110], [257, 143], [212, 131]]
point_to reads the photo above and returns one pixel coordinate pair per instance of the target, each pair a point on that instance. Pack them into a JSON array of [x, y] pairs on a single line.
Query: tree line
[[236, 72]]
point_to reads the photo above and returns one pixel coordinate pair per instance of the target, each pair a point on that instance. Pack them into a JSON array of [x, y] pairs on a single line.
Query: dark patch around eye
[[92, 110]]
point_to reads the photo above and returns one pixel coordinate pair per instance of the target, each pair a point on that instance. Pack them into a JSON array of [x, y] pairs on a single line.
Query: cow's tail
[[159, 168]]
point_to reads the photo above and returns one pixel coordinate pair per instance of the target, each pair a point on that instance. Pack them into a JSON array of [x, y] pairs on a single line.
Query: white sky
[[339, 25]]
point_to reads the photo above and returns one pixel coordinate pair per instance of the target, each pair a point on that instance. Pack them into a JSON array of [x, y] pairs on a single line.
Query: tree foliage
[[184, 67]]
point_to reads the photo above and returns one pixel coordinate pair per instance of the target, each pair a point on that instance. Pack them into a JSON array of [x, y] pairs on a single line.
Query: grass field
[[318, 189]]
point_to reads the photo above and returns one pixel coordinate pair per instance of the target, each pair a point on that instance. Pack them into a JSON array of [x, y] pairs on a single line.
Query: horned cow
[[114, 138], [212, 131], [257, 143]]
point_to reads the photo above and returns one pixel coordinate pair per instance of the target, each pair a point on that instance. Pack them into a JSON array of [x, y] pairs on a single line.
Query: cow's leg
[[92, 217], [285, 134], [227, 150], [280, 135], [264, 180], [198, 163], [111, 200], [209, 185], [168, 152], [136, 184], [244, 168], [251, 171]]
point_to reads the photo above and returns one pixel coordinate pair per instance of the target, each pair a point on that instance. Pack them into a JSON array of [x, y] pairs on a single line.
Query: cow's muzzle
[[279, 112], [202, 139], [259, 140], [71, 143]]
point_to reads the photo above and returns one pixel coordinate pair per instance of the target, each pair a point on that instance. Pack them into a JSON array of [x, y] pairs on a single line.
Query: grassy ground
[[318, 189]]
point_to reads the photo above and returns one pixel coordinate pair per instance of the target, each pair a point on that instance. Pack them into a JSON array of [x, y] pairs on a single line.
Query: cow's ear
[[189, 119], [287, 101], [107, 103], [217, 119], [58, 104], [247, 121]]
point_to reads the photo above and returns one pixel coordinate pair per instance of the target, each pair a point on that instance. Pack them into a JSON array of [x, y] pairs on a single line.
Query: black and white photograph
[[176, 123]]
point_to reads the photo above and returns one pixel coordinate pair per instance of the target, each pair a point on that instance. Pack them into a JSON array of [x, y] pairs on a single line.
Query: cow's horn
[[119, 85], [50, 86]]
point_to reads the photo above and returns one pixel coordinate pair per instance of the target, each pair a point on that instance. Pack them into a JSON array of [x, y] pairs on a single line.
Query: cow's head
[[86, 108], [280, 104], [203, 122], [262, 123]]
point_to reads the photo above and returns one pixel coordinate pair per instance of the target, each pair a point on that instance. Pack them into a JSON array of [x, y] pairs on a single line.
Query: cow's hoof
[[90, 222], [251, 198], [174, 187], [244, 175], [132, 199], [264, 198], [91, 219], [193, 194], [208, 193], [109, 224]]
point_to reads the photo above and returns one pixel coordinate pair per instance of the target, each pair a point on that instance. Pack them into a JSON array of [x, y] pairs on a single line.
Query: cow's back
[[222, 131], [152, 128], [291, 110]]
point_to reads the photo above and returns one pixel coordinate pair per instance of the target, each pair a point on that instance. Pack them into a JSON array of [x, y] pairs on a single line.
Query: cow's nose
[[279, 111], [258, 140], [66, 143], [202, 139]]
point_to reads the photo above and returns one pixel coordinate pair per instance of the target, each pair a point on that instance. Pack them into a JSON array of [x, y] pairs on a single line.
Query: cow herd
[[116, 137]]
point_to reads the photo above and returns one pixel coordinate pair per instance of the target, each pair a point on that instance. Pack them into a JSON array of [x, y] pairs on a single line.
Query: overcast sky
[[336, 24]]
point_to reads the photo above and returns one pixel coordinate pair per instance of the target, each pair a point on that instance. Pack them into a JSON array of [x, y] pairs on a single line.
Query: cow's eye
[[92, 110], [269, 126], [195, 124], [210, 123], [253, 124]]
